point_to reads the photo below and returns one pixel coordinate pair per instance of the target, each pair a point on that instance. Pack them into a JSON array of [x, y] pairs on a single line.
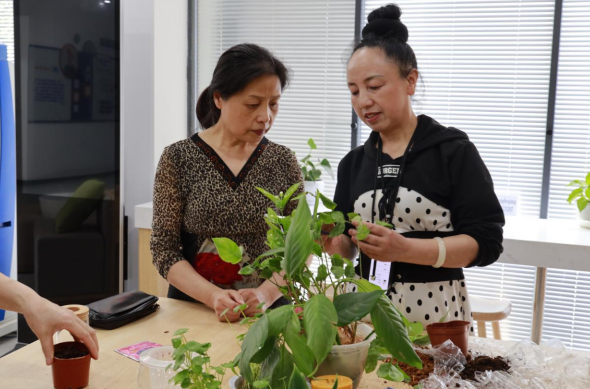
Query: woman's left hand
[[382, 244], [253, 297]]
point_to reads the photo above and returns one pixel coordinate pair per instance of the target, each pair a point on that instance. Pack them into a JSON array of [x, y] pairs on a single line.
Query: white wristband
[[442, 252]]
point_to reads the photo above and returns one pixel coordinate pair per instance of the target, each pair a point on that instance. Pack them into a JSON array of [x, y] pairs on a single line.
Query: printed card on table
[[134, 350]]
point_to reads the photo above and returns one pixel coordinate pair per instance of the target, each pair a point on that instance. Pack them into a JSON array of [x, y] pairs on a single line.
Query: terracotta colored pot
[[70, 373], [456, 331]]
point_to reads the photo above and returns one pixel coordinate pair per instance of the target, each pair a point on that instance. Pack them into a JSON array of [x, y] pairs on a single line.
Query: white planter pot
[[152, 373], [348, 360], [585, 217], [235, 382], [312, 187]]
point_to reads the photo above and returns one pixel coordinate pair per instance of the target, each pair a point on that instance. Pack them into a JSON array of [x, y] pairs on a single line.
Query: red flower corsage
[[214, 269]]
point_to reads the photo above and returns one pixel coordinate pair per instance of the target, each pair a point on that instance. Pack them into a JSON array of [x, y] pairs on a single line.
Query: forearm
[[15, 296], [186, 279], [461, 250]]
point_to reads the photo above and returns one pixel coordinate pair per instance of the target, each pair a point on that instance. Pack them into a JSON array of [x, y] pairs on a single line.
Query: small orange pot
[[70, 368], [456, 331]]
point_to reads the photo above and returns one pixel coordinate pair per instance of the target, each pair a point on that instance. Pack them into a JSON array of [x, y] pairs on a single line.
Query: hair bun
[[384, 22]]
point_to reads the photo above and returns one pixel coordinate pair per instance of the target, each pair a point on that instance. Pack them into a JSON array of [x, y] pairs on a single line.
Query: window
[[311, 37]]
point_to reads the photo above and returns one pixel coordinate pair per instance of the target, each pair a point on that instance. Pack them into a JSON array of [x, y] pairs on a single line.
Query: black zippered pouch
[[123, 308]]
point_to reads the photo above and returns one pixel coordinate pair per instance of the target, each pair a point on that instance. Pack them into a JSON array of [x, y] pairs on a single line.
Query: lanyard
[[387, 202]]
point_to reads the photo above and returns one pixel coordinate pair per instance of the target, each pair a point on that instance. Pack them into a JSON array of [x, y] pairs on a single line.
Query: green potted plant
[[582, 196], [312, 173], [309, 334]]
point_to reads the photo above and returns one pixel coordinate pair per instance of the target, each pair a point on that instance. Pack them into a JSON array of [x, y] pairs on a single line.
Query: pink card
[[134, 350]]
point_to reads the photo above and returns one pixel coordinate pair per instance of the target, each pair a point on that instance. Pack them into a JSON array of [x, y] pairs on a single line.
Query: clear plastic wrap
[[549, 366]]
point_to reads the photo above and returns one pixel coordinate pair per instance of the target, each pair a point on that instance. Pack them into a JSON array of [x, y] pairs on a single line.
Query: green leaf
[[582, 202], [319, 318], [269, 364], [354, 306], [178, 352], [366, 286], [335, 383], [338, 217], [325, 218], [322, 272], [186, 383], [576, 182], [283, 369], [415, 328], [181, 331], [226, 310], [389, 372], [317, 249], [253, 341], [303, 356], [278, 319], [421, 340], [181, 376], [288, 195], [587, 192], [337, 230], [392, 331], [327, 202], [265, 351], [261, 384], [337, 260], [197, 369], [588, 179], [376, 349], [297, 380], [383, 224], [327, 167], [240, 307], [200, 360], [213, 385], [197, 347], [246, 270], [311, 144], [299, 242], [228, 250], [178, 361], [338, 271], [176, 342], [354, 217], [275, 199], [259, 306], [362, 231], [349, 271], [575, 193], [444, 318]]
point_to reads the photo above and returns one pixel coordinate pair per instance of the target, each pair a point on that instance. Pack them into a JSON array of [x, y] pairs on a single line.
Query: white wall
[[153, 95], [170, 66]]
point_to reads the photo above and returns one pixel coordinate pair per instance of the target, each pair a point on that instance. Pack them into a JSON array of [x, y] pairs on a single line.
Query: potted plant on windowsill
[[311, 172], [308, 335], [582, 196]]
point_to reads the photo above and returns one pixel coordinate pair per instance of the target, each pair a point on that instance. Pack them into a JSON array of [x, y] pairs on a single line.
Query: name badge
[[381, 278]]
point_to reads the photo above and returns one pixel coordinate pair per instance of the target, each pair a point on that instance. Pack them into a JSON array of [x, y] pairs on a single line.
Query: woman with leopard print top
[[205, 186]]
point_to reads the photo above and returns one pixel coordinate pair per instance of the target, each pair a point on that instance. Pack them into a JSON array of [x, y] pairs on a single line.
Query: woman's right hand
[[223, 299]]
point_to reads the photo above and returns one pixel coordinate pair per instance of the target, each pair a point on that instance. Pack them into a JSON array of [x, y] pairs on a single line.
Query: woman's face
[[379, 95], [249, 114]]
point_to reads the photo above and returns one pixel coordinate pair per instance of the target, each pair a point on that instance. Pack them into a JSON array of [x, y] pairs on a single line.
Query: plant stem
[[368, 336]]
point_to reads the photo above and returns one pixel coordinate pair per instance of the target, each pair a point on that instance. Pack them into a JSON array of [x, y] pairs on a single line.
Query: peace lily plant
[[294, 340]]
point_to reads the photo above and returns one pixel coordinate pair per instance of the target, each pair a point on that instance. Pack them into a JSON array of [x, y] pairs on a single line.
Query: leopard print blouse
[[197, 197]]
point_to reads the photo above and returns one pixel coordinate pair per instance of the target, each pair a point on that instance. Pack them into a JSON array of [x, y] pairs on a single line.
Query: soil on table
[[480, 363], [70, 351]]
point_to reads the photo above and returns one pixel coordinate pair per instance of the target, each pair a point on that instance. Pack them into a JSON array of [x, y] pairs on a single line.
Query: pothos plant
[[310, 170], [581, 194], [300, 336]]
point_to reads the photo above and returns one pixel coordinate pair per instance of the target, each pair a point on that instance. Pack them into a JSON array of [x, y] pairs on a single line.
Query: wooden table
[[26, 368]]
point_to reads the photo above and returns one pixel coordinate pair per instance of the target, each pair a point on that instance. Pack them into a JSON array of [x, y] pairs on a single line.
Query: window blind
[[485, 67], [567, 301], [7, 27], [311, 37], [571, 135]]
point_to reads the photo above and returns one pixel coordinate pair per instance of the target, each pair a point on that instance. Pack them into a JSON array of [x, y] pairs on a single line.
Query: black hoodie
[[445, 190]]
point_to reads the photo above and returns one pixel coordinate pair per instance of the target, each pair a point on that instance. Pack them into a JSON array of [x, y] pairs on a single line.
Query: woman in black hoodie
[[425, 179]]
